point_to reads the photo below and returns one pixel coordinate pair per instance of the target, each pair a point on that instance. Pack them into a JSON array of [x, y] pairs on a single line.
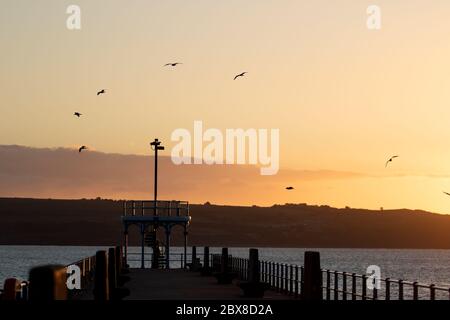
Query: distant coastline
[[97, 223]]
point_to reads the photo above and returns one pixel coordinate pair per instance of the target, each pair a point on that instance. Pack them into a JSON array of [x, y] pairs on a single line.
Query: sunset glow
[[344, 98]]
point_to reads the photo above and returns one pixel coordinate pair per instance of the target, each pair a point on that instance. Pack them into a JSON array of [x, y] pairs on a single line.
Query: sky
[[344, 98]]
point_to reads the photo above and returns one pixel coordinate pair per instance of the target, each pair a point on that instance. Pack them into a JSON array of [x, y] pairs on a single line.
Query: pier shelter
[[148, 216]]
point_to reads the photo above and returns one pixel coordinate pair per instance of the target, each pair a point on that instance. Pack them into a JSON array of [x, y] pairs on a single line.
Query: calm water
[[426, 266]]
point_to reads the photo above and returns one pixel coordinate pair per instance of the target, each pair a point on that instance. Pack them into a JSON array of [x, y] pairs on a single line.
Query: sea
[[424, 266]]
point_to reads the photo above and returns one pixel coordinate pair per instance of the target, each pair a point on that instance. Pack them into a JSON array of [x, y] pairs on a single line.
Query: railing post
[[388, 289], [48, 283], [336, 285], [364, 287], [167, 253], [344, 286], [312, 285], [296, 281], [112, 276], [272, 274], [125, 247], [415, 291], [432, 292], [328, 285], [400, 289], [291, 277], [265, 271], [266, 268], [353, 286], [286, 281], [302, 276], [101, 284], [278, 277]]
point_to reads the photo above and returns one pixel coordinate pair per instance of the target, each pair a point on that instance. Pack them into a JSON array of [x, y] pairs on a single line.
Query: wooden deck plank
[[178, 284]]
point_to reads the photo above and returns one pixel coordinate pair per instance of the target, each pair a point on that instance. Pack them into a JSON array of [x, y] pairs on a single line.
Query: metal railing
[[336, 285], [176, 260], [160, 207], [352, 286]]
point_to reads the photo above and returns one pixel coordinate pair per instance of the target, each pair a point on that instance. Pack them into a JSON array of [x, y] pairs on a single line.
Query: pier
[[106, 277]]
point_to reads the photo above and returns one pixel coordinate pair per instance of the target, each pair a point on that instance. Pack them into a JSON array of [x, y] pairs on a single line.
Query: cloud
[[65, 173]]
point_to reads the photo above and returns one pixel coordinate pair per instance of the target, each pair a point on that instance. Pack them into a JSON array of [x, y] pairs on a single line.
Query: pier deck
[[178, 284]]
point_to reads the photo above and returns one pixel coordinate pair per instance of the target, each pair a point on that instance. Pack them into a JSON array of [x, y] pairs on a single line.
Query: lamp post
[[156, 145]]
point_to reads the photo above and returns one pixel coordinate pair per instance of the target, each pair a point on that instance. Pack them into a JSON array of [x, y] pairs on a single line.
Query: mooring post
[[11, 289], [112, 271], [185, 246], [194, 259], [118, 262], [167, 246], [206, 259], [253, 287], [48, 283], [101, 283], [312, 285], [143, 246], [125, 247], [253, 266], [224, 261]]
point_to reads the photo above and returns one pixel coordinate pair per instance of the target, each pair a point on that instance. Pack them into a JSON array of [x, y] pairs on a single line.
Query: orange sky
[[344, 98]]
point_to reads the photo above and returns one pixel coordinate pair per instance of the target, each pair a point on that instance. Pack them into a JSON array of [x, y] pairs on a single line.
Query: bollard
[[225, 276], [253, 266], [224, 261], [194, 264], [216, 263], [206, 270], [253, 288], [48, 283], [118, 262], [101, 284], [312, 285], [206, 257], [112, 272], [11, 289]]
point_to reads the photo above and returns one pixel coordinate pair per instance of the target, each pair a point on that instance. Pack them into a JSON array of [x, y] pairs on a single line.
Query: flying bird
[[239, 75], [172, 64], [82, 148], [390, 160], [77, 114], [446, 193], [101, 92], [289, 188]]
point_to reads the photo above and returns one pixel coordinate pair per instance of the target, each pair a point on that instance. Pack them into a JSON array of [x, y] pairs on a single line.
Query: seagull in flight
[[390, 160], [446, 193], [101, 92], [82, 148], [289, 188], [172, 64], [77, 114], [239, 75]]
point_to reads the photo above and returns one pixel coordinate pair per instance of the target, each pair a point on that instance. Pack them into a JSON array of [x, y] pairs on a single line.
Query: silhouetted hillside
[[97, 222]]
